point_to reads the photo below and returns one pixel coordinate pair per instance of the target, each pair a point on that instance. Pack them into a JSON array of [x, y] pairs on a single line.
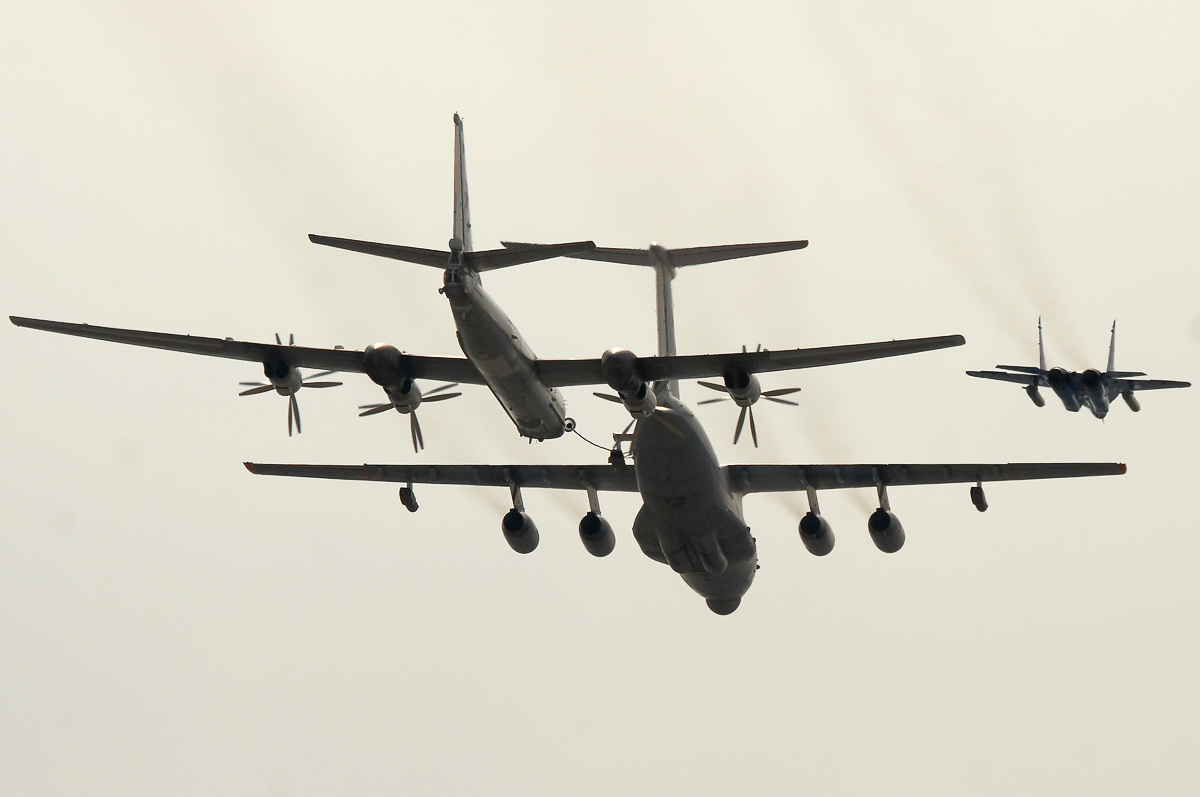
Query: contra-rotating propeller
[[744, 390], [410, 408], [286, 380]]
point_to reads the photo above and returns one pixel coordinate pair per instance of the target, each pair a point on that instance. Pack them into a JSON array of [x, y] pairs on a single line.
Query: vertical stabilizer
[[462, 208], [1112, 346], [664, 305], [1041, 348]]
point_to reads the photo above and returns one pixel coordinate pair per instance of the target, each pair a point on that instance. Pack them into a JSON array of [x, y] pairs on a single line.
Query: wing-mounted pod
[[620, 370]]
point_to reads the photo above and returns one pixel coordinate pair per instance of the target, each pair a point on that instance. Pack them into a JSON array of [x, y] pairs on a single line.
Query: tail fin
[[1112, 346], [462, 207], [1041, 348]]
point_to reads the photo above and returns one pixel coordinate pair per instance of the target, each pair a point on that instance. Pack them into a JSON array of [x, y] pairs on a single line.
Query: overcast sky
[[170, 624]]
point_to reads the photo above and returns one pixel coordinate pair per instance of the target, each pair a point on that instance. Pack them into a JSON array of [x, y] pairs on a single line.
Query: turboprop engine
[[285, 379], [619, 367], [742, 387], [385, 365]]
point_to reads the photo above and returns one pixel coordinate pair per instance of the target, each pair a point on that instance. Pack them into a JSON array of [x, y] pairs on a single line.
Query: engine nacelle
[[620, 371], [743, 387], [520, 531], [641, 403], [886, 531], [1093, 383], [597, 535], [385, 365], [1131, 400], [1035, 396], [284, 378], [1059, 380], [816, 534]]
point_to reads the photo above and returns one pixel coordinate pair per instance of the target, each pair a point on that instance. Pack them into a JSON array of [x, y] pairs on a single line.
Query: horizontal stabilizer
[[493, 259], [1021, 379], [409, 254], [1125, 374], [1023, 369], [692, 256], [1151, 384], [480, 261]]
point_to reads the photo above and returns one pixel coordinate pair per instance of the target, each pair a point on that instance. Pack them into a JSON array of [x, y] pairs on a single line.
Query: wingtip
[[1121, 469], [250, 467]]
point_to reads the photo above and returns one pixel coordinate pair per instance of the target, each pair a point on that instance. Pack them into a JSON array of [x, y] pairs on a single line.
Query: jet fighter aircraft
[[1092, 389]]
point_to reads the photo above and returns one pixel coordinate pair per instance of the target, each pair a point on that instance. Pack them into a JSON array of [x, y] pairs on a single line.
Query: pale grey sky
[[171, 624]]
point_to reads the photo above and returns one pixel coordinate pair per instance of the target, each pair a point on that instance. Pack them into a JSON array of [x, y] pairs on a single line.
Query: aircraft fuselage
[[493, 344], [689, 509]]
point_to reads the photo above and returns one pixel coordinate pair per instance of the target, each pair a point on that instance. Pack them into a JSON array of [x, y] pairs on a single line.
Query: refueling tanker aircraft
[[1093, 389], [691, 517]]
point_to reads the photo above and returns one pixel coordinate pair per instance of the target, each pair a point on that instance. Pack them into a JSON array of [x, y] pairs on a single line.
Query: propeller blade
[[374, 409], [782, 391], [741, 420], [712, 401], [292, 342], [781, 401], [320, 374], [714, 386], [320, 384], [439, 397], [753, 431], [278, 342], [629, 426], [256, 390], [415, 427], [609, 397], [252, 384], [440, 388], [295, 411]]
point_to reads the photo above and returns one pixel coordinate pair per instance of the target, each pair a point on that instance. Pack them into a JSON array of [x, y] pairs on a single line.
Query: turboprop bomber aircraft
[[1093, 389]]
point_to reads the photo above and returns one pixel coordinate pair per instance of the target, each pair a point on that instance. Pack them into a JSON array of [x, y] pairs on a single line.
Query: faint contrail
[[953, 169]]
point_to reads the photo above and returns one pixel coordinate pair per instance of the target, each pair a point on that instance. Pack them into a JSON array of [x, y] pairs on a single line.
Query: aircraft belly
[[690, 509], [490, 341]]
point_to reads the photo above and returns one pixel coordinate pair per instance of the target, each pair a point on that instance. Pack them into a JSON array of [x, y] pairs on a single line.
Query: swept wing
[[440, 368], [742, 478], [561, 373]]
